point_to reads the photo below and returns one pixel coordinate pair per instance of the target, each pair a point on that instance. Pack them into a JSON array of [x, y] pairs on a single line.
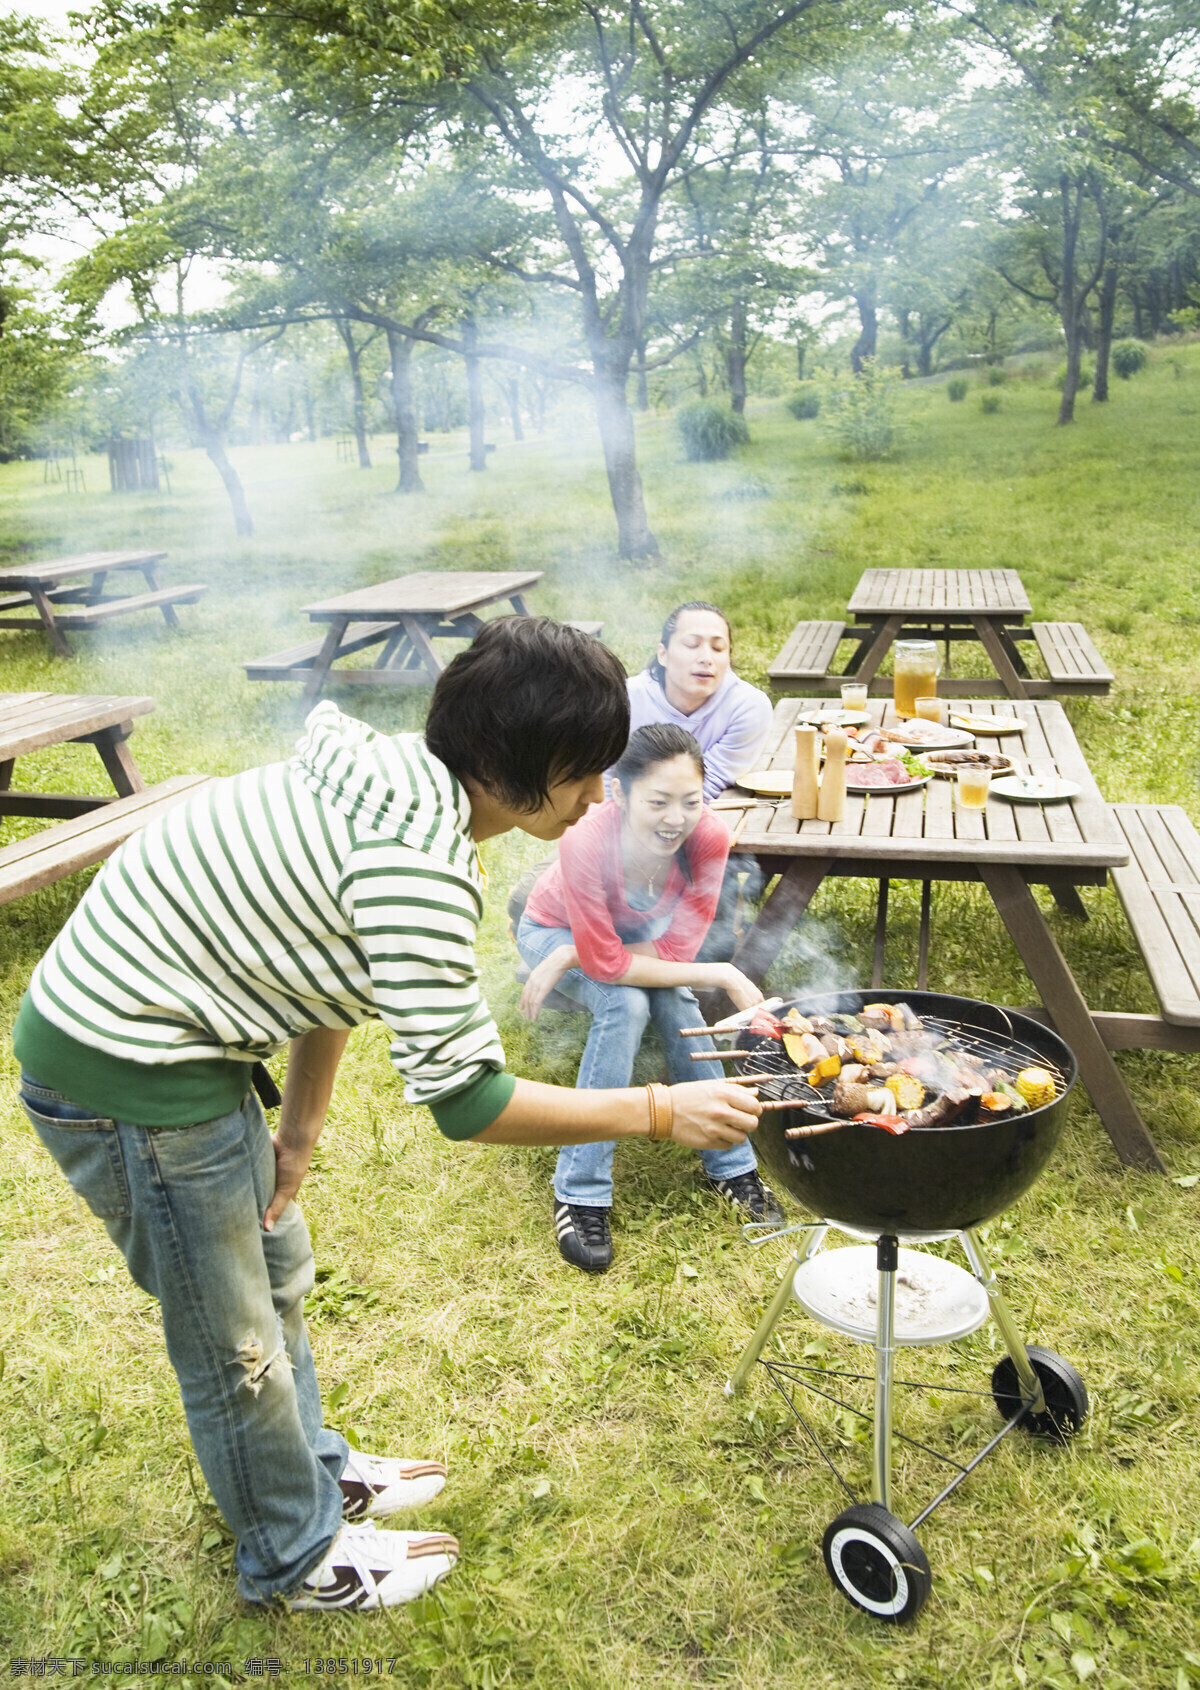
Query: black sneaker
[[583, 1236], [748, 1193]]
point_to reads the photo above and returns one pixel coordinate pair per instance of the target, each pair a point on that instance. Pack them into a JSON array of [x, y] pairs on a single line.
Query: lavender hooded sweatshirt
[[731, 728]]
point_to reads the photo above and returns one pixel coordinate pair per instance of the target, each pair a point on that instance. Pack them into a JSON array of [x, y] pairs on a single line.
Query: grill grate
[[938, 1034]]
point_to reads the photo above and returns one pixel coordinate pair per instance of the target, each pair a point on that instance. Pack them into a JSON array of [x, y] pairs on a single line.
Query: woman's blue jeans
[[184, 1205], [583, 1173]]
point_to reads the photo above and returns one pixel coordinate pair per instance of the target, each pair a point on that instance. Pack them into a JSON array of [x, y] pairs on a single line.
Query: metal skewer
[[726, 1056]]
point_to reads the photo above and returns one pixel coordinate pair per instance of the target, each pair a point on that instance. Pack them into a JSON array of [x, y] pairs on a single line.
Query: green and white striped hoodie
[[320, 892]]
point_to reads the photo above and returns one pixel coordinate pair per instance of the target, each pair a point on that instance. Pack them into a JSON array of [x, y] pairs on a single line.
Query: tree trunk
[[634, 539], [400, 353], [801, 355], [1068, 305], [1108, 309], [354, 358], [210, 439], [475, 414], [512, 392], [643, 392], [735, 356], [868, 338], [310, 413], [928, 335]]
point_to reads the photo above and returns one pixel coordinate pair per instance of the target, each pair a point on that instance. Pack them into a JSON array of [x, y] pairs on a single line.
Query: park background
[[621, 1522]]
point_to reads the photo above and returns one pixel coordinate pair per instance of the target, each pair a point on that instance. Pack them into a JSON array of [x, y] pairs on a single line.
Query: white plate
[[949, 739], [833, 716], [1034, 789], [975, 724], [771, 783], [886, 791], [950, 771]]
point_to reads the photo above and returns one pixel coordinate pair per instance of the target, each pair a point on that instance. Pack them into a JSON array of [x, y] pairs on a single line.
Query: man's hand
[[312, 1064], [543, 979], [291, 1165], [713, 1114]]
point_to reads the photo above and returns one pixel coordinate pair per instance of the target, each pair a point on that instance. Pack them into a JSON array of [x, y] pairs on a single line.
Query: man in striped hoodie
[[285, 906]]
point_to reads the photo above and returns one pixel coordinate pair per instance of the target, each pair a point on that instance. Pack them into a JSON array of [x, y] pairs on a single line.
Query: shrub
[[989, 403], [956, 390], [996, 376], [710, 431], [1087, 374], [861, 412], [1127, 358], [805, 404]]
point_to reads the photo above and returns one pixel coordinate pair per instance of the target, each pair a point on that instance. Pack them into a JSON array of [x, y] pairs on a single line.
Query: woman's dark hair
[[530, 702], [659, 742], [654, 667]]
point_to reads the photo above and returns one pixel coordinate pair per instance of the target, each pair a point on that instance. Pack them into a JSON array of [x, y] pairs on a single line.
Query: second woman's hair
[[654, 667], [659, 742]]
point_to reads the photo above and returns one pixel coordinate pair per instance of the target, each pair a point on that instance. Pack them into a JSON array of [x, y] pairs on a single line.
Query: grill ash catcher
[[896, 1185]]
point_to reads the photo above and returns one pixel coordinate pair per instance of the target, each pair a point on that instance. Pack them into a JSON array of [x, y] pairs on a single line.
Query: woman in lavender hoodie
[[690, 681]]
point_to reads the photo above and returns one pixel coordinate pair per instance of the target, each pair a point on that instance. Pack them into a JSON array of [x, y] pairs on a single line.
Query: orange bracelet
[[662, 1111]]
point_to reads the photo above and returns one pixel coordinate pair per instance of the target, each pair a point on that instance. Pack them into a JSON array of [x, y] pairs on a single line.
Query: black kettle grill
[[925, 1184]]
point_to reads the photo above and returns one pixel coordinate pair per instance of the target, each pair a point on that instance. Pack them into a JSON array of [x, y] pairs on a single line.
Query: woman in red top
[[615, 924]]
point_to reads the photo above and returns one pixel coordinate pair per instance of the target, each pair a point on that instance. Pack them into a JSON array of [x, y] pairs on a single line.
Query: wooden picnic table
[[62, 608], [947, 604], [31, 721], [951, 605], [403, 617], [922, 835]]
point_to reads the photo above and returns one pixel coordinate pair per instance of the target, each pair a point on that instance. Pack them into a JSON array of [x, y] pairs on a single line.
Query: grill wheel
[[1064, 1390], [877, 1563]]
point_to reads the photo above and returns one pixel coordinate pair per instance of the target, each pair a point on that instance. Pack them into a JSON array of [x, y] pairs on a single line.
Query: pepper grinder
[[804, 774], [831, 800]]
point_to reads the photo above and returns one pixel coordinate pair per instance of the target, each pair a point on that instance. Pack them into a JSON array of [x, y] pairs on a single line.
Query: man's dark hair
[[654, 667], [529, 703], [657, 742]]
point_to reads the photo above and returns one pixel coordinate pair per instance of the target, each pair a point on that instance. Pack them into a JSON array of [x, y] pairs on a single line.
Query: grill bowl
[[929, 1179]]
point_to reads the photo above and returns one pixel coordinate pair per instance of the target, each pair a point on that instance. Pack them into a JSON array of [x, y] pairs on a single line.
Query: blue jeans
[[184, 1206], [583, 1173]]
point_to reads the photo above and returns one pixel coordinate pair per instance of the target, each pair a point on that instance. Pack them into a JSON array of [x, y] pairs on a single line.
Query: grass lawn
[[622, 1523]]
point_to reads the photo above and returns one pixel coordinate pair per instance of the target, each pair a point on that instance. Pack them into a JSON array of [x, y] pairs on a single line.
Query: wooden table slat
[[426, 592]]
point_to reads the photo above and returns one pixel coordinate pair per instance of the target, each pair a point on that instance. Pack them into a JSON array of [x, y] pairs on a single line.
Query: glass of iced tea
[[973, 784], [854, 695], [916, 673], [931, 709]]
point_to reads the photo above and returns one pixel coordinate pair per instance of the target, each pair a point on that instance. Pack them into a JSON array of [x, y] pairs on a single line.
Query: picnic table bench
[[63, 609], [950, 605], [28, 864]]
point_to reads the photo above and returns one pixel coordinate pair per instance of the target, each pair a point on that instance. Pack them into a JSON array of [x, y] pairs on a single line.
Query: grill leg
[[807, 1245], [1031, 1385], [887, 1251]]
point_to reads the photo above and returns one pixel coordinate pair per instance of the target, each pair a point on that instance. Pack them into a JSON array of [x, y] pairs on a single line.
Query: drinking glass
[[854, 695], [973, 784], [931, 709], [916, 673]]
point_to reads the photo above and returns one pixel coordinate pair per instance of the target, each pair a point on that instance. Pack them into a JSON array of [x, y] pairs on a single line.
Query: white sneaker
[[374, 1486], [366, 1568]]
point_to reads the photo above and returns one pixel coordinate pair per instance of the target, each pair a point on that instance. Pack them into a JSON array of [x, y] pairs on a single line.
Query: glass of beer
[[931, 709], [973, 784], [854, 695], [916, 673]]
